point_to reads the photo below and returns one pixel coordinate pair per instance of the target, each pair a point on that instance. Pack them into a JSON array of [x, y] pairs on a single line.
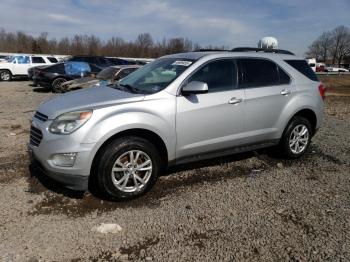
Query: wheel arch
[[139, 132], [308, 114]]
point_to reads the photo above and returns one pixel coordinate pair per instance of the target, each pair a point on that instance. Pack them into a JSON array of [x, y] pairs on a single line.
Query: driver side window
[[219, 75]]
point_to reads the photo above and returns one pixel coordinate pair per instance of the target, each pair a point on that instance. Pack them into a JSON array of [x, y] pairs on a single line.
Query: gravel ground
[[249, 207]]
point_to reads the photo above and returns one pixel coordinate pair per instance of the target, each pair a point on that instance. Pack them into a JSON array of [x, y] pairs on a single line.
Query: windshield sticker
[[182, 63]]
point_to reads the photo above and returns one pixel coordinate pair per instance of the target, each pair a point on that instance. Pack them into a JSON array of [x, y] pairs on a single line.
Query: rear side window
[[257, 72], [219, 75], [52, 59], [303, 67], [38, 60]]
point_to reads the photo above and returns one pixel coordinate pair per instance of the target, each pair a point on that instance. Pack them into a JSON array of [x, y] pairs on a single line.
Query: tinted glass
[[59, 69], [38, 60], [52, 59], [284, 78], [219, 75], [258, 72], [303, 67]]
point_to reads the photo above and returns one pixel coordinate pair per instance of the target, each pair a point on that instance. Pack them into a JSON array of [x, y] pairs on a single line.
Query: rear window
[[52, 59], [38, 60], [303, 67]]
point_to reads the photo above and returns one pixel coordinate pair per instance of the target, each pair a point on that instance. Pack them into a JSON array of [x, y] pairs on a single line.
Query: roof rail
[[210, 50], [253, 49]]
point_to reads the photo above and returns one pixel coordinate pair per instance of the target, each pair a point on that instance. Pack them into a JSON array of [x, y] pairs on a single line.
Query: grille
[[40, 116], [35, 136]]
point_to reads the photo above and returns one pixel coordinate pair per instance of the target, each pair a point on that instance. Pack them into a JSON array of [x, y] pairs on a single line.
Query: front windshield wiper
[[129, 87]]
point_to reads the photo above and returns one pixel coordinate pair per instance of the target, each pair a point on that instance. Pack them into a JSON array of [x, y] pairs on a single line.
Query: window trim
[[240, 74], [185, 81]]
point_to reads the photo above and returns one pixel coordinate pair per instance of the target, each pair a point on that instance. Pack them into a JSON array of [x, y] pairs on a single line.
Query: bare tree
[[320, 48], [341, 43], [143, 46]]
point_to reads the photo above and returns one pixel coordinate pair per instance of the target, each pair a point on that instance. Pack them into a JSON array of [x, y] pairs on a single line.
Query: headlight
[[69, 122]]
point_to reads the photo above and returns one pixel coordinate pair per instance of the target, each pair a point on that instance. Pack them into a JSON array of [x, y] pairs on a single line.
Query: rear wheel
[[56, 85], [296, 138], [5, 75], [128, 168]]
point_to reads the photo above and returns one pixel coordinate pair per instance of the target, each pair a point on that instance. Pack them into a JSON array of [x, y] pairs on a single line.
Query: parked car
[[3, 58], [336, 69], [100, 61], [178, 109], [18, 65], [118, 61], [54, 76], [109, 76]]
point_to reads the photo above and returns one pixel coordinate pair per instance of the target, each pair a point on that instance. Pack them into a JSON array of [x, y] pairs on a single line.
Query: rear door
[[213, 121], [267, 90]]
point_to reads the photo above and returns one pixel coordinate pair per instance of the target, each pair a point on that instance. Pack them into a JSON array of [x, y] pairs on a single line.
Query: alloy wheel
[[131, 171], [299, 139]]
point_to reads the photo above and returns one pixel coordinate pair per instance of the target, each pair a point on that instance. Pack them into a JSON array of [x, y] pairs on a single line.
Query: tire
[[296, 138], [56, 85], [5, 75], [122, 183]]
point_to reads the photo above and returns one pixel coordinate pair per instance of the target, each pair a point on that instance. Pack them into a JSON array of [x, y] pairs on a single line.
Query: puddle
[[198, 239], [58, 200]]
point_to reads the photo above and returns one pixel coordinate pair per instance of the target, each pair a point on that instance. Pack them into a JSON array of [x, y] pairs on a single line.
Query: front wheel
[[296, 138], [5, 75], [128, 168]]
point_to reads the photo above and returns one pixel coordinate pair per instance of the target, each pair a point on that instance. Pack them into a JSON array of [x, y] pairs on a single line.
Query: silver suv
[[180, 108]]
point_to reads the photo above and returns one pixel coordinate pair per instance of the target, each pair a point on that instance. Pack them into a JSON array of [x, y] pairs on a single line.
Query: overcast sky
[[295, 23]]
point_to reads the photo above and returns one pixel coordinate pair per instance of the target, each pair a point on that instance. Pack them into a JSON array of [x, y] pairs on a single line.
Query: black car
[[100, 61], [119, 61], [53, 76]]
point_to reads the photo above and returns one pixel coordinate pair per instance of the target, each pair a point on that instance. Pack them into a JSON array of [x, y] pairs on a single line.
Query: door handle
[[234, 101], [285, 92]]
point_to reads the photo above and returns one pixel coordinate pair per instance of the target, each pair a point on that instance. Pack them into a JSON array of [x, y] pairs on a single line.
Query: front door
[[213, 121]]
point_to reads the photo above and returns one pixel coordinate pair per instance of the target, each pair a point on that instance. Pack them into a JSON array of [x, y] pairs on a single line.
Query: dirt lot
[[255, 208]]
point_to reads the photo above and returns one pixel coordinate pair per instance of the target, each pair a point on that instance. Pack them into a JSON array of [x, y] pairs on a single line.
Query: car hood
[[91, 98]]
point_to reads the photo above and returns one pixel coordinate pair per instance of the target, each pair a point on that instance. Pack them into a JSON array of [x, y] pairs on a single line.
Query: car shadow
[[41, 89]]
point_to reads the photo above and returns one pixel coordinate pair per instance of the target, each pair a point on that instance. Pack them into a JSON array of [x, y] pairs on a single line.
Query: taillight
[[322, 90]]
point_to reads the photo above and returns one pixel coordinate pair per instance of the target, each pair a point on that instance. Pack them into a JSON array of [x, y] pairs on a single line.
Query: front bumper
[[74, 182], [74, 177]]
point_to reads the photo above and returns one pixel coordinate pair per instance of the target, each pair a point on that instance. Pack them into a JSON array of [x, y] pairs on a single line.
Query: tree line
[[142, 46], [331, 46]]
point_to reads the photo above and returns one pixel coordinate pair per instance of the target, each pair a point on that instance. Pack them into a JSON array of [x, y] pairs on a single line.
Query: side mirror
[[195, 87]]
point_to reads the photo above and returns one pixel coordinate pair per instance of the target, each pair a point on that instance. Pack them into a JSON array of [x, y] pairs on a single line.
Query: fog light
[[65, 159]]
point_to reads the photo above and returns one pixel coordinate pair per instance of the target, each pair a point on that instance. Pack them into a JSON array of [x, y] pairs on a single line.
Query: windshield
[[108, 73], [156, 75]]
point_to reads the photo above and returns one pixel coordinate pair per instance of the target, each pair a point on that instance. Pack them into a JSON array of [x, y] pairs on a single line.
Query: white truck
[[18, 65]]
